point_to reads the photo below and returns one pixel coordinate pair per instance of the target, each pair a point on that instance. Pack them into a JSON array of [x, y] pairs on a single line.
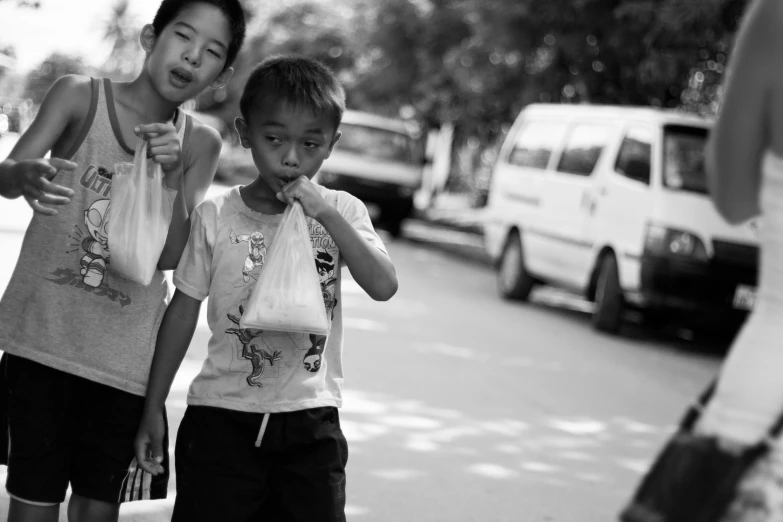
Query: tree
[[477, 63], [314, 28], [123, 33], [56, 65], [27, 3]]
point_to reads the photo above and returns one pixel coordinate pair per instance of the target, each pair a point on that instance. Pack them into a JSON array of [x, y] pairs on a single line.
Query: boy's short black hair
[[300, 81], [169, 9]]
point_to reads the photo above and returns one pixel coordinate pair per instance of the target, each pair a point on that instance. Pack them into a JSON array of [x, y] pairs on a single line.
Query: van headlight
[[672, 242]]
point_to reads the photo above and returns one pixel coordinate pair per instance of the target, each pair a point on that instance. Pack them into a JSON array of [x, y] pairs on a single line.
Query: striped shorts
[[66, 430]]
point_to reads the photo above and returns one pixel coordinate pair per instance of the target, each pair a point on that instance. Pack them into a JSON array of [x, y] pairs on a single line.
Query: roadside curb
[[468, 245], [464, 222]]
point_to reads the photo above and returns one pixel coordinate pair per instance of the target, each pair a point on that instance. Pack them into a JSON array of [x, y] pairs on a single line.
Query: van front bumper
[[706, 288]]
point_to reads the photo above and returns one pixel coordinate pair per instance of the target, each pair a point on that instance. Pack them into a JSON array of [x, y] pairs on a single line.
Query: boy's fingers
[[143, 458], [37, 207], [61, 164], [55, 189], [162, 150], [152, 127], [153, 468], [50, 199], [154, 462], [167, 162], [153, 130], [32, 192], [168, 142], [285, 197], [157, 450]]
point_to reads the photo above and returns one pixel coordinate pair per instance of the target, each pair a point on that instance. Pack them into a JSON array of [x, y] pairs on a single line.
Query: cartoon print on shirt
[[251, 352], [256, 251], [96, 244], [314, 356], [324, 263]]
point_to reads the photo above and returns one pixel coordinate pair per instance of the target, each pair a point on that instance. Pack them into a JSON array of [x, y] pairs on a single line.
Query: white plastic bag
[[287, 296], [139, 219]]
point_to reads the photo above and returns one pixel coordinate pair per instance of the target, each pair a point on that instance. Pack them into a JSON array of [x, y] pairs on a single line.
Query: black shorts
[[65, 429], [297, 473]]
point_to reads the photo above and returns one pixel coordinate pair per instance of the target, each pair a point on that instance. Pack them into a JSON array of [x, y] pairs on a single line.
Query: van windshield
[[683, 158], [377, 143]]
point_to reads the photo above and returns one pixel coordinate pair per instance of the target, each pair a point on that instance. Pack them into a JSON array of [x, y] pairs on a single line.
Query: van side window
[[535, 143], [633, 160], [583, 149]]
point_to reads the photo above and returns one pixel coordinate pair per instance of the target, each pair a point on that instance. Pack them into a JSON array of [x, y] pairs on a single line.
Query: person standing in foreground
[[79, 338], [261, 437], [745, 172]]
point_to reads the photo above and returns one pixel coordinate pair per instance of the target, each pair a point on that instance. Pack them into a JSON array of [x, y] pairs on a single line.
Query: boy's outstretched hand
[[304, 191], [164, 148], [33, 180], [148, 445]]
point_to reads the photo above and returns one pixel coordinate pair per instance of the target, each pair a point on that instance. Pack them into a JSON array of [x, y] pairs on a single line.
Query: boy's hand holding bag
[[140, 215], [287, 296]]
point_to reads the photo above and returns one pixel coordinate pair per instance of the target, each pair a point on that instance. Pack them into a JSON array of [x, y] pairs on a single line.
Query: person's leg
[[218, 476], [40, 432], [311, 467], [19, 511], [82, 509], [103, 470]]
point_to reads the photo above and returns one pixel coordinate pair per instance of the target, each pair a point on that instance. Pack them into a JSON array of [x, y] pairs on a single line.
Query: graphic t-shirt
[[254, 370]]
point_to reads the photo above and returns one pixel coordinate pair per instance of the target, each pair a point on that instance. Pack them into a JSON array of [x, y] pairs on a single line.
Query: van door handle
[[588, 201]]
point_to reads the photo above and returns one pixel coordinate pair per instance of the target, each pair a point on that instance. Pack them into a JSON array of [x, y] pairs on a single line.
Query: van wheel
[[512, 279], [609, 301], [394, 227]]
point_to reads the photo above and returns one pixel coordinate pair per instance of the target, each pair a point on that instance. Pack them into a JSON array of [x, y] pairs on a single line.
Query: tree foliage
[[476, 63], [56, 65]]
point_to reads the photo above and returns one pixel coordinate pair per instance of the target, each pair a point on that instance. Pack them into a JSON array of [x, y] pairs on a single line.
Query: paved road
[[462, 407]]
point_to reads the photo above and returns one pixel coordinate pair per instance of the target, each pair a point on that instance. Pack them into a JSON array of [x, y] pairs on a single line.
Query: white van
[[380, 161], [612, 202]]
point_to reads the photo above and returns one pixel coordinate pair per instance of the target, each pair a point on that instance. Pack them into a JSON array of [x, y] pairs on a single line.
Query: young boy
[[78, 337], [261, 436]]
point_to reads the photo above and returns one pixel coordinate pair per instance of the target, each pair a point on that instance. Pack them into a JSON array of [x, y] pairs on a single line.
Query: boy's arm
[[25, 172], [174, 336], [371, 268], [198, 175]]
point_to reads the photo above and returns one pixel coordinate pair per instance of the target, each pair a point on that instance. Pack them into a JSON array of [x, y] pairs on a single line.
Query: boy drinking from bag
[[261, 436], [78, 337]]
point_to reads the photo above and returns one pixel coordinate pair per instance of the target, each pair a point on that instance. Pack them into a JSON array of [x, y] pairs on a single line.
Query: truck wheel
[[394, 226], [609, 301], [513, 280]]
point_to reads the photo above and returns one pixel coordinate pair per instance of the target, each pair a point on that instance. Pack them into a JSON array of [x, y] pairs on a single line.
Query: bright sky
[[69, 26]]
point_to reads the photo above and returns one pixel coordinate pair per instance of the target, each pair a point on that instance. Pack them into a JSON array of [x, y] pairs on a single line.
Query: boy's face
[[287, 141], [190, 53]]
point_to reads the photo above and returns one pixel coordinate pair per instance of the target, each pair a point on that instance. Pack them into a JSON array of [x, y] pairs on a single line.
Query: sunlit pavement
[[462, 407]]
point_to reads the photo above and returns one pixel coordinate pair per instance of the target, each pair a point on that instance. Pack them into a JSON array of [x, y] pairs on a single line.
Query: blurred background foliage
[[472, 63]]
